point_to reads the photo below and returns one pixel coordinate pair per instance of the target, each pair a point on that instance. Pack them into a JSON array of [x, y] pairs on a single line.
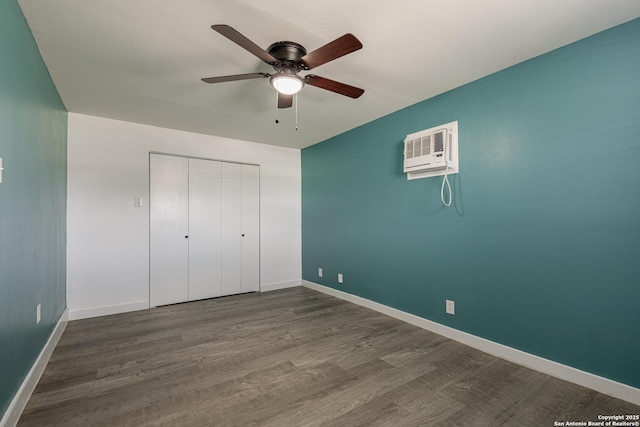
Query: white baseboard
[[19, 401], [86, 313], [546, 366], [281, 285]]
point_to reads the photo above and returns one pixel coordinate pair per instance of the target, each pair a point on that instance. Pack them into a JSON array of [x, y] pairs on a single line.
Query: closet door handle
[[186, 237]]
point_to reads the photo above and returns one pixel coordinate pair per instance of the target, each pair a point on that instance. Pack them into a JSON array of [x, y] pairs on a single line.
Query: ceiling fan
[[288, 59]]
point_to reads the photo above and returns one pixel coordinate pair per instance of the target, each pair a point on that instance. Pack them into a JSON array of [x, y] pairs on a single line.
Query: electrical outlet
[[320, 272], [38, 313], [340, 278], [450, 307]]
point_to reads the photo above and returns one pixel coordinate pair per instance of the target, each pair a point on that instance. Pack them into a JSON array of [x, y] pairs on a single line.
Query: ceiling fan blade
[[332, 50], [235, 77], [244, 42], [285, 101], [333, 86]]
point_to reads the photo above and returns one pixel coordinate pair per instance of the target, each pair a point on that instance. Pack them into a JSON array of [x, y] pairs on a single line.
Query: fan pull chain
[[277, 109], [296, 102]]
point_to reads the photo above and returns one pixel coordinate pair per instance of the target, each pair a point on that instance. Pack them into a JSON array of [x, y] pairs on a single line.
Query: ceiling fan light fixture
[[287, 83]]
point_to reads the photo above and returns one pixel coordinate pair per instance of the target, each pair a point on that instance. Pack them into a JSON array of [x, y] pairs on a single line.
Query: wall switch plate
[[1, 169], [340, 278], [38, 313], [137, 201], [450, 307], [320, 272]]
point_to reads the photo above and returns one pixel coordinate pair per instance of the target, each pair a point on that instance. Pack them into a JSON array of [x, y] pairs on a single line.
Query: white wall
[[108, 238]]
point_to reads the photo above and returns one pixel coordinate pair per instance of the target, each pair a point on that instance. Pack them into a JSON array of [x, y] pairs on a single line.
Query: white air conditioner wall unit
[[432, 152]]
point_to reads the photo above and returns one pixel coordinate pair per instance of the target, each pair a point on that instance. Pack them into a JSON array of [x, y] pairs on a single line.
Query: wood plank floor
[[293, 357]]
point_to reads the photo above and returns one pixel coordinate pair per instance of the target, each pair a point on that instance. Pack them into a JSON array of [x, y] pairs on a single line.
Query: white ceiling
[[142, 60]]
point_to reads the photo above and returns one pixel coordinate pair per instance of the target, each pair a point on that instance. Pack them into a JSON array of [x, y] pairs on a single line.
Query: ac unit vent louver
[[438, 143]]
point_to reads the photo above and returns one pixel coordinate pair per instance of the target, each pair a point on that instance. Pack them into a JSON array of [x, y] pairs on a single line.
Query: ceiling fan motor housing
[[288, 54], [287, 50]]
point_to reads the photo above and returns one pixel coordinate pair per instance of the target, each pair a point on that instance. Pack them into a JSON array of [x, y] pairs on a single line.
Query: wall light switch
[[137, 201], [1, 169], [320, 272], [38, 313], [340, 278], [450, 307]]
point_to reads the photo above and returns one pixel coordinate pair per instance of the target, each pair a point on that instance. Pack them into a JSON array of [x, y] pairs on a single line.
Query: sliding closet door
[[169, 228], [250, 228], [205, 219], [231, 228]]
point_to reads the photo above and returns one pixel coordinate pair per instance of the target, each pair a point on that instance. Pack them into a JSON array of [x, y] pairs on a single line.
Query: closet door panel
[[168, 226], [231, 228], [205, 217], [250, 228]]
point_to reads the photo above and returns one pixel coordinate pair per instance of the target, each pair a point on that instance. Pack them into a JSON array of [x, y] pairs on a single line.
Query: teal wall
[[33, 144], [541, 250]]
